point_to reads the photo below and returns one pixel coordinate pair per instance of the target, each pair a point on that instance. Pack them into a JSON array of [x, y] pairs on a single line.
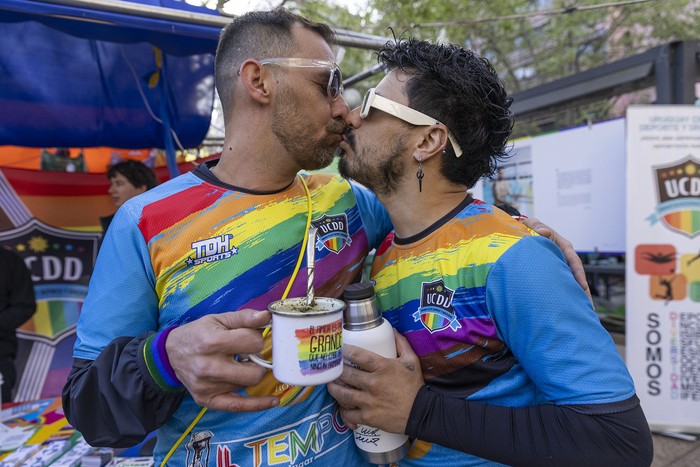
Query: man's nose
[[354, 119], [340, 108]]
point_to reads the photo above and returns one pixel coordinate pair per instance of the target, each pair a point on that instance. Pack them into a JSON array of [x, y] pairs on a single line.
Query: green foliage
[[532, 42], [529, 42]]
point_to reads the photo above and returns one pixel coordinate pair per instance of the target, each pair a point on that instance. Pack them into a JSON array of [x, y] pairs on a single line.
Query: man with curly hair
[[502, 359]]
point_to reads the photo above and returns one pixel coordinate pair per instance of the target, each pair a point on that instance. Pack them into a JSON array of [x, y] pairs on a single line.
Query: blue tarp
[[80, 77]]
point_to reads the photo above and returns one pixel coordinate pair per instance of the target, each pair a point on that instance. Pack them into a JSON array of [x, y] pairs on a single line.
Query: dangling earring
[[419, 176], [444, 153]]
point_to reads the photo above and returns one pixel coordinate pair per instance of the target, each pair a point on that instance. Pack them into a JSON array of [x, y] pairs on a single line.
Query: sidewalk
[[668, 451]]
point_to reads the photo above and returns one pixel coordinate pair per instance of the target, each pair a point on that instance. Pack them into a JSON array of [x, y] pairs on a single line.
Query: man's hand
[[203, 355], [382, 395], [566, 247]]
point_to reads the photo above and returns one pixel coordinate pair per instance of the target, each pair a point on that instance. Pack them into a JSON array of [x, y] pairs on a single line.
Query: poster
[[60, 262], [580, 185], [663, 263], [51, 220], [572, 180], [512, 184]]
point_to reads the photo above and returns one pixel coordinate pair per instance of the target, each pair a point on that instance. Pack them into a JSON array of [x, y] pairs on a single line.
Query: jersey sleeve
[[588, 413], [111, 395], [373, 214], [121, 299], [550, 325]]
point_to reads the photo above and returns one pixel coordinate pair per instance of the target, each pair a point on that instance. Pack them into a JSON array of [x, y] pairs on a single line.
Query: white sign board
[[572, 180], [663, 263]]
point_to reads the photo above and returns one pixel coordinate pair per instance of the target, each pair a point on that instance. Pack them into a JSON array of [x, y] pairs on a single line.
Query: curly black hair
[[463, 91]]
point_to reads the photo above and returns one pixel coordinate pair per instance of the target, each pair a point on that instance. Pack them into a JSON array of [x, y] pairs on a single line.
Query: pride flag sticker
[[320, 347]]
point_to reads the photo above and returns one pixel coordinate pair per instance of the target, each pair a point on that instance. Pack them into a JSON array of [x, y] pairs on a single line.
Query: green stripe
[[152, 367]]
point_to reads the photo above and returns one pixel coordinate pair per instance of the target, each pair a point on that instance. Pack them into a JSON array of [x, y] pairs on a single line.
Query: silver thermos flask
[[364, 327]]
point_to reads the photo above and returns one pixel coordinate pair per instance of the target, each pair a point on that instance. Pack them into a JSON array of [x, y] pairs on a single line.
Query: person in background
[[502, 194], [502, 358], [17, 305], [126, 180]]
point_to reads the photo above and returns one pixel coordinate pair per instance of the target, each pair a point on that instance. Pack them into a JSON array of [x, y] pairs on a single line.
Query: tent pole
[[344, 37]]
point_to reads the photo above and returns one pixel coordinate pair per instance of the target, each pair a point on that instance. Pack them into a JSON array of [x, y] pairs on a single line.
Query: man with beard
[[184, 266], [502, 358]]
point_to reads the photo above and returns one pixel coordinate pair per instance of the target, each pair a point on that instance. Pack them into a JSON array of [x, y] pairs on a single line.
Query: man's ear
[[433, 143], [256, 80]]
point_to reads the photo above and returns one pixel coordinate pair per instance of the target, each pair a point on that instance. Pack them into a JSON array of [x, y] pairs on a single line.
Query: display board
[[663, 266], [572, 180], [51, 220]]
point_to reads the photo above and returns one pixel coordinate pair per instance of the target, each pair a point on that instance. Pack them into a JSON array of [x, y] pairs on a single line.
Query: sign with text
[[571, 179], [663, 263]]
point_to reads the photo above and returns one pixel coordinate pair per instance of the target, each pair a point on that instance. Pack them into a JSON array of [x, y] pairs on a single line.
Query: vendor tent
[[91, 74], [79, 77], [124, 74]]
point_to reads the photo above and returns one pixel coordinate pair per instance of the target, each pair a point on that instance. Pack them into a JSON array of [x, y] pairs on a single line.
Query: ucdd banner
[[51, 220], [663, 263]]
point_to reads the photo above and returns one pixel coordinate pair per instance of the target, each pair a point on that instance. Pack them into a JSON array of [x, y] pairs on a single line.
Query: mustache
[[337, 126], [349, 135]]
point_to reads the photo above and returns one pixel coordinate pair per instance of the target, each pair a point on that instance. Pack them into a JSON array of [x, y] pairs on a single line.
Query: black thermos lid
[[358, 291]]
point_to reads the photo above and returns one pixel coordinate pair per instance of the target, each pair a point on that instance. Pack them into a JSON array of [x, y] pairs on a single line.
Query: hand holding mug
[[307, 342]]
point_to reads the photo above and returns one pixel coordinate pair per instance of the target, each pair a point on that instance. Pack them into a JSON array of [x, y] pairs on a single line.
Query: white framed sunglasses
[[405, 113], [334, 88]]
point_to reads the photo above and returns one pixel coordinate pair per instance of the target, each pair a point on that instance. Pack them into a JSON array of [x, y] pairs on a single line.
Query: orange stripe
[[70, 211]]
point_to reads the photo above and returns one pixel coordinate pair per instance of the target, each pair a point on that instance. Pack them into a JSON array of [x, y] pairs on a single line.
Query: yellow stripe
[[325, 202], [448, 261], [685, 220], [46, 431], [42, 319], [257, 222]]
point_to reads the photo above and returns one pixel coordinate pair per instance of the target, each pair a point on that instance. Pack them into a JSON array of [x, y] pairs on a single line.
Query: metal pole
[[343, 37]]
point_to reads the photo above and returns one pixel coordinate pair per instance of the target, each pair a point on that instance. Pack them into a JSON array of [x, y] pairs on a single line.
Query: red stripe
[[386, 243], [673, 219], [48, 183], [51, 183], [153, 219]]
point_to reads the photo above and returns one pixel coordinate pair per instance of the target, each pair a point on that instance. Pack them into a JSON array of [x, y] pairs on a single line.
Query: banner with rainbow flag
[[662, 277], [51, 220]]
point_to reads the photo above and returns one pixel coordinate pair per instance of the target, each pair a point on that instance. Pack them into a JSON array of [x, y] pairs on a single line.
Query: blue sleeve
[[373, 214], [121, 298], [547, 321]]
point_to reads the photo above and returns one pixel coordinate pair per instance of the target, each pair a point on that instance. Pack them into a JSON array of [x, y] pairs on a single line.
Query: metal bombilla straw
[[310, 265]]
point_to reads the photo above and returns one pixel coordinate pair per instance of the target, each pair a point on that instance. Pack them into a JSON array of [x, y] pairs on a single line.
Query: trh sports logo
[[678, 193]]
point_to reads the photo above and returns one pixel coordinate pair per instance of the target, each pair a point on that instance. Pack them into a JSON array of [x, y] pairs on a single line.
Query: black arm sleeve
[[544, 435], [113, 401]]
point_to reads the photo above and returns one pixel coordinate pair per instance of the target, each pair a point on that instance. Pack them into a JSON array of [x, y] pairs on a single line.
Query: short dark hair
[[463, 91], [257, 34], [138, 173]]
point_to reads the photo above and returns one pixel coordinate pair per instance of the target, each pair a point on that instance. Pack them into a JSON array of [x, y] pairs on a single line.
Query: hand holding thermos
[[364, 327]]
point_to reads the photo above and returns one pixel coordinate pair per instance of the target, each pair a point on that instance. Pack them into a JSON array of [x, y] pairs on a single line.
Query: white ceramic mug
[[307, 343]]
